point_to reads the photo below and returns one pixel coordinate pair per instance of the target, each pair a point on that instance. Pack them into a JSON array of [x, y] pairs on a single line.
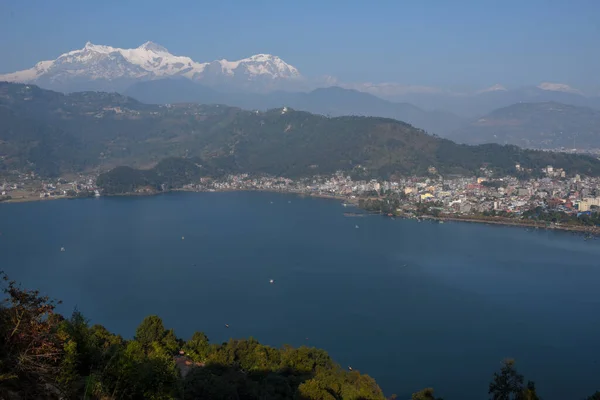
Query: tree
[[425, 394], [68, 377], [197, 347], [529, 392], [595, 396], [170, 342], [30, 351], [150, 330], [508, 384], [315, 390], [143, 376]]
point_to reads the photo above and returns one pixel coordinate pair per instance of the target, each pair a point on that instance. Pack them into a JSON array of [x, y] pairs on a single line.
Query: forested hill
[[45, 356], [53, 133]]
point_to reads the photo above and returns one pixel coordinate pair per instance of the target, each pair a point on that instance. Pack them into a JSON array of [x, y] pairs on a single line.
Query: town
[[552, 192], [509, 197]]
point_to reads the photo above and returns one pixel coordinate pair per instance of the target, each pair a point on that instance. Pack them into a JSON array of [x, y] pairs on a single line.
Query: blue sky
[[448, 43]]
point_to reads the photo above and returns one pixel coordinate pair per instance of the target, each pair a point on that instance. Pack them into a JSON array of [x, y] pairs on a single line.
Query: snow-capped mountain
[[109, 68]]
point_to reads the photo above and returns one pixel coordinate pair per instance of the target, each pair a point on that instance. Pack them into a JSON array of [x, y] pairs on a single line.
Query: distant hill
[[548, 125], [332, 101], [52, 133], [475, 105]]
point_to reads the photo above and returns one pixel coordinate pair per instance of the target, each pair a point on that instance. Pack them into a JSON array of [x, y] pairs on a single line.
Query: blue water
[[411, 304]]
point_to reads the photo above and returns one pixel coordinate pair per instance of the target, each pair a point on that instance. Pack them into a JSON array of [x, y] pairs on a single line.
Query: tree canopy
[[44, 355]]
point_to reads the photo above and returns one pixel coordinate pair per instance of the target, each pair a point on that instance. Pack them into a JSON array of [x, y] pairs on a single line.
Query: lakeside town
[[460, 197]]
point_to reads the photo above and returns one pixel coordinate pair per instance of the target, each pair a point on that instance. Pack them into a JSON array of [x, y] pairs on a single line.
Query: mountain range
[[99, 67], [151, 74], [53, 133], [107, 68]]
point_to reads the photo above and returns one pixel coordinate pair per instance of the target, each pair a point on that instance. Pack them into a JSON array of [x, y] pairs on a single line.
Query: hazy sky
[[449, 43]]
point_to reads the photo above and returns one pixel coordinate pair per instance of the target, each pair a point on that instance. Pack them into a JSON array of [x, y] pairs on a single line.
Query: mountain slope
[[547, 125], [486, 101], [109, 68], [109, 130], [332, 101]]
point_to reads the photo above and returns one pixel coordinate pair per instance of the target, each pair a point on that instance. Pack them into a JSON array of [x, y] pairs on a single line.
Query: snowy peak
[[89, 46], [94, 64], [261, 65], [153, 47], [558, 87]]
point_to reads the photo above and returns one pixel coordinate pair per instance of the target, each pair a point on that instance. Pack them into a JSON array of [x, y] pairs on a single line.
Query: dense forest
[[53, 133], [44, 355]]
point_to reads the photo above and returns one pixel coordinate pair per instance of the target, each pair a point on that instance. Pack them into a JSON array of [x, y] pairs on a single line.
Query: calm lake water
[[411, 304]]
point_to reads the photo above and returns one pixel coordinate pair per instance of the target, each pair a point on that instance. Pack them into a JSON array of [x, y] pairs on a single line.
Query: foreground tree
[[197, 347], [425, 394], [508, 384], [151, 329], [30, 351]]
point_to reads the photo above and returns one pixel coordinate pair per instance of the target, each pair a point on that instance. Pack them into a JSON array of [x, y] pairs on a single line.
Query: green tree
[[170, 342], [76, 330], [151, 329], [314, 390], [197, 347], [68, 376], [595, 396], [425, 394], [143, 376]]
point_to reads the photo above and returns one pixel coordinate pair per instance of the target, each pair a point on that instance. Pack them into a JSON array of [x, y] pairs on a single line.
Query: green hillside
[[53, 133]]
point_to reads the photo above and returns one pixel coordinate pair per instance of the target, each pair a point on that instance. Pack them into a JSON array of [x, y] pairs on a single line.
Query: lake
[[411, 304]]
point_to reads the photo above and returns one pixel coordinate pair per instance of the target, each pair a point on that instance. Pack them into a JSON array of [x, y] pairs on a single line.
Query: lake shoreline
[[344, 199], [513, 223]]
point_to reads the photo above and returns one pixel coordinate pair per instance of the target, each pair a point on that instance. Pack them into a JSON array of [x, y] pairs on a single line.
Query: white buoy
[[62, 249], [182, 238], [356, 226], [271, 281]]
